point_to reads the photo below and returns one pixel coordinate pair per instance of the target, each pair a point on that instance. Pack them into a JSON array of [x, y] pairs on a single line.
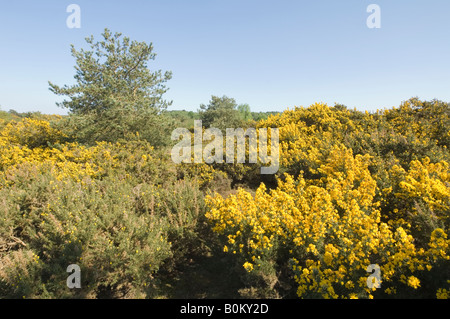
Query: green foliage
[[244, 111], [407, 156], [8, 116], [131, 218], [183, 118], [98, 225], [115, 93], [258, 116], [221, 113], [120, 224]]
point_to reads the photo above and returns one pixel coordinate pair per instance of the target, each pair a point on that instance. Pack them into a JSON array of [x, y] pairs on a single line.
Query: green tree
[[115, 92], [244, 111], [221, 112]]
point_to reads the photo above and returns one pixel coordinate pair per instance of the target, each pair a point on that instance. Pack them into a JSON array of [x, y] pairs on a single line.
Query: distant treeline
[[180, 116], [183, 115]]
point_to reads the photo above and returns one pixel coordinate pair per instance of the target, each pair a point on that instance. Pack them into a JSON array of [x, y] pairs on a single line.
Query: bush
[[360, 189], [96, 224], [116, 210], [327, 232]]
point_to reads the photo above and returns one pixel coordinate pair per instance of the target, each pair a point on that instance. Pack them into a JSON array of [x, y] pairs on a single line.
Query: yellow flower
[[248, 266], [335, 214], [442, 294], [413, 282]]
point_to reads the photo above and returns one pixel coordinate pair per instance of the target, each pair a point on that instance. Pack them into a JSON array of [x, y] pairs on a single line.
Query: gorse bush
[[328, 231], [98, 188], [353, 189], [104, 208], [31, 132], [95, 224]]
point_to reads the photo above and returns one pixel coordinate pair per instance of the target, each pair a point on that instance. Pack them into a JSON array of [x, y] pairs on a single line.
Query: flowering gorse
[[332, 215]]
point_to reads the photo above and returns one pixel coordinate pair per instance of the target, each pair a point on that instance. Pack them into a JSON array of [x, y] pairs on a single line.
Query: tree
[[244, 111], [221, 113], [115, 92]]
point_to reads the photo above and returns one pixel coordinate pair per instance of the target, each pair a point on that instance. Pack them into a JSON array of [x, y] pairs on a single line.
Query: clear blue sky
[[269, 54]]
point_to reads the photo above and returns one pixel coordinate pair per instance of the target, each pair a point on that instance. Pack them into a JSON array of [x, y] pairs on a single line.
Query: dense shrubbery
[[117, 210], [358, 189], [353, 189], [98, 188]]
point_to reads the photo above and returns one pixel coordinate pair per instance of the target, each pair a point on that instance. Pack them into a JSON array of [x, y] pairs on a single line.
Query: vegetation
[[115, 93], [221, 113], [101, 191]]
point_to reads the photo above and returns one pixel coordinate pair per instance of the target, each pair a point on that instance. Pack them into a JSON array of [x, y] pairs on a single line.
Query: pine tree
[[115, 92]]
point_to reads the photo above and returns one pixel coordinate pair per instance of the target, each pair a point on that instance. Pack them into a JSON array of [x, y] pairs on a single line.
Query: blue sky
[[272, 55]]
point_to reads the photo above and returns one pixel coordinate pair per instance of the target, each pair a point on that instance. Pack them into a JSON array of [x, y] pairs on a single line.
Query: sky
[[272, 55]]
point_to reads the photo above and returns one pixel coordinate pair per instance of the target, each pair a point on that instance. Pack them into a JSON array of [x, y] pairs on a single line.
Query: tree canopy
[[115, 92], [221, 112]]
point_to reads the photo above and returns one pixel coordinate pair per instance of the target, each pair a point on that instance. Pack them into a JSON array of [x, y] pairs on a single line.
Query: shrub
[[96, 224], [327, 231]]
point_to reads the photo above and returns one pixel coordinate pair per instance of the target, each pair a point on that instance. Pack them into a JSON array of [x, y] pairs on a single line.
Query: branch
[[135, 66]]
